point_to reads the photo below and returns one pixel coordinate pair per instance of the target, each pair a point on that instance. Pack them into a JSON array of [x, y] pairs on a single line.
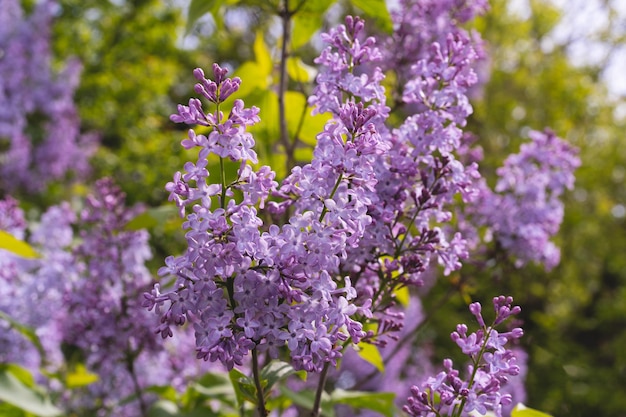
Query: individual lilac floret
[[492, 364], [525, 209]]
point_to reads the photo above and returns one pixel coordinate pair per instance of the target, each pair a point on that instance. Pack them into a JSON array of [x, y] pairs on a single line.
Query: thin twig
[[320, 390], [257, 382]]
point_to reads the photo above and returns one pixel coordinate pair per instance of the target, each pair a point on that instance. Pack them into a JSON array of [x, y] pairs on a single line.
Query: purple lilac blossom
[[524, 211], [105, 323], [417, 175], [39, 126], [492, 364], [420, 23], [243, 287]]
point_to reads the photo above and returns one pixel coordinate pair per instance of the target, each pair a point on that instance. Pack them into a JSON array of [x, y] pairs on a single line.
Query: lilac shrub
[[40, 137], [303, 268]]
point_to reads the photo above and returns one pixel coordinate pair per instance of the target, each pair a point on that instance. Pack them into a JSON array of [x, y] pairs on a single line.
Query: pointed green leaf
[[403, 295], [17, 247], [371, 354], [79, 377], [197, 9], [521, 410], [164, 408], [13, 391], [299, 71], [377, 11], [275, 371], [381, 402]]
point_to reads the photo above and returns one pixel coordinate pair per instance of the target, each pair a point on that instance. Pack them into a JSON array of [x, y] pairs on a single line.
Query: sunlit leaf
[[371, 354], [403, 295], [304, 26], [79, 377], [17, 247], [251, 75], [521, 410], [299, 71], [262, 56]]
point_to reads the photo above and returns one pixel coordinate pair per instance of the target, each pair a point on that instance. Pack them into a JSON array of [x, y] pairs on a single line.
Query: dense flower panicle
[[243, 287], [418, 24], [524, 211], [418, 175], [39, 124], [491, 366], [104, 318]]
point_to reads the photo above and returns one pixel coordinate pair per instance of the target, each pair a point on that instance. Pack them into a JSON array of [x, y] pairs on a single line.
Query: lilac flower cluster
[[82, 297], [525, 210], [40, 138], [492, 364], [421, 23], [245, 288], [417, 175], [104, 321]]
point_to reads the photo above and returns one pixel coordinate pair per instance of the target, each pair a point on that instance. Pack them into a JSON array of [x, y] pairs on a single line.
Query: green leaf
[[299, 71], [371, 354], [381, 402], [304, 26], [403, 295], [262, 56], [13, 391], [275, 371], [17, 247], [251, 78], [521, 410], [243, 386], [197, 9], [377, 11], [79, 377], [163, 408], [306, 399], [152, 217]]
